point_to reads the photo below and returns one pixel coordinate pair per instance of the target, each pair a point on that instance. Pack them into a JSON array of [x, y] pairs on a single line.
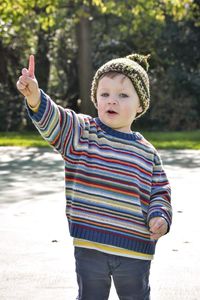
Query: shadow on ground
[[24, 172], [28, 172], [181, 158]]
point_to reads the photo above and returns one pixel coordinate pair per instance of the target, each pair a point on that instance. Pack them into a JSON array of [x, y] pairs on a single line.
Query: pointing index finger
[[31, 67]]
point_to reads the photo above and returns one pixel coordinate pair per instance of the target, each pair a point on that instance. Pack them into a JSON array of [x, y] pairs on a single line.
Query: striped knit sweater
[[114, 181]]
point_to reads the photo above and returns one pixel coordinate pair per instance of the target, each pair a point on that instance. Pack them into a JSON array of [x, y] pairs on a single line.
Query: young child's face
[[117, 102]]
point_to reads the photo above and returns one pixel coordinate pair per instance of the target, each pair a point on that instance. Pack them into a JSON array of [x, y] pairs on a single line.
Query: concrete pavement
[[36, 253]]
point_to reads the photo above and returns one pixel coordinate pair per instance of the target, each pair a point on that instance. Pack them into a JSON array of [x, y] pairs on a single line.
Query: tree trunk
[[3, 65], [85, 65], [42, 61]]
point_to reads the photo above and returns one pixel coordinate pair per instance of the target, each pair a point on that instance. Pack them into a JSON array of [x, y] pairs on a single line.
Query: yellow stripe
[[109, 202], [111, 249]]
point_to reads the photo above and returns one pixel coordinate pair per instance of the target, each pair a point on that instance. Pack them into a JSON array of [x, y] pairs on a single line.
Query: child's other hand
[[158, 227], [28, 85]]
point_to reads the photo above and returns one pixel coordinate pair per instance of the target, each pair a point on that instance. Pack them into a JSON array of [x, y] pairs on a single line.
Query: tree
[[23, 27], [66, 61], [84, 58]]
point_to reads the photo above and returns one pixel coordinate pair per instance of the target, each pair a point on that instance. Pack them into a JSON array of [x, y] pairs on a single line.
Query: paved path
[[36, 253]]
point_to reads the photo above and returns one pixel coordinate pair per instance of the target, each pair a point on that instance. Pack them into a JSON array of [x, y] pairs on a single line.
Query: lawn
[[174, 140], [25, 139], [161, 140]]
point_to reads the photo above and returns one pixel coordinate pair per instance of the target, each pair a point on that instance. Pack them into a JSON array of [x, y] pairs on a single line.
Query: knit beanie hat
[[135, 67]]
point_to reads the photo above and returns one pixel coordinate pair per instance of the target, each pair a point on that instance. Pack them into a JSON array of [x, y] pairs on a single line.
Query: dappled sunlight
[[28, 172], [184, 159]]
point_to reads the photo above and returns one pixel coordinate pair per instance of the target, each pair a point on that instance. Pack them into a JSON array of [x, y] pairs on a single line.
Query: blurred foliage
[[167, 29]]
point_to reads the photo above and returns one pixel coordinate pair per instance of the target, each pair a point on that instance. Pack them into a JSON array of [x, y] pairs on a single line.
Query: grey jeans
[[94, 270]]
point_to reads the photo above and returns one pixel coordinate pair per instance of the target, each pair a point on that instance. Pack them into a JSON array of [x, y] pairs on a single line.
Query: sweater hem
[[112, 239]]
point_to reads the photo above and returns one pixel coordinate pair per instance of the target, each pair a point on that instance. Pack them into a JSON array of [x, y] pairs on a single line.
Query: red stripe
[[100, 186], [101, 158]]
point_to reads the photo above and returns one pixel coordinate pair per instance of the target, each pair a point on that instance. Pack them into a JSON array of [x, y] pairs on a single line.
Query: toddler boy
[[117, 192]]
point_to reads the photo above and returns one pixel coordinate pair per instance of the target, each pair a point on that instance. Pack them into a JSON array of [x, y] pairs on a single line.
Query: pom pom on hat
[[135, 67], [140, 59]]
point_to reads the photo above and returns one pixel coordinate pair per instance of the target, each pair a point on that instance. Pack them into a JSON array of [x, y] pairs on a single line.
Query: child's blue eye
[[104, 95], [122, 95]]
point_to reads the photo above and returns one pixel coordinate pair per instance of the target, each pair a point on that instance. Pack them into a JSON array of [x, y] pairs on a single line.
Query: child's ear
[[140, 109]]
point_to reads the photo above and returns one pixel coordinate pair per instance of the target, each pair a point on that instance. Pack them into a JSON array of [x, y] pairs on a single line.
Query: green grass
[[24, 139], [174, 140], [161, 140]]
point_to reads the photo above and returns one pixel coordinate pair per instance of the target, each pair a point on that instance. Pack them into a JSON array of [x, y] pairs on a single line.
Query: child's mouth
[[111, 112]]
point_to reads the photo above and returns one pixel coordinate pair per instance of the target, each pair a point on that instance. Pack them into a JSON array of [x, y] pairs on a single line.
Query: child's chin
[[109, 122]]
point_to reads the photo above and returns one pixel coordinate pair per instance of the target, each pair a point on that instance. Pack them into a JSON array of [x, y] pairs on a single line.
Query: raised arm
[[27, 84]]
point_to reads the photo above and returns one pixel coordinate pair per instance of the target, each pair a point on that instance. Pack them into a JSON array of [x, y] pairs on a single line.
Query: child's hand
[[28, 85], [158, 226]]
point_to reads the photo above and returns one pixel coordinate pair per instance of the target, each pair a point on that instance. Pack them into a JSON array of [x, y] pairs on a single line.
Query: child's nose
[[112, 100]]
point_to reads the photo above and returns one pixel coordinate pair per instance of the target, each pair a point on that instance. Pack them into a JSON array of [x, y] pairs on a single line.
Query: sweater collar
[[119, 134]]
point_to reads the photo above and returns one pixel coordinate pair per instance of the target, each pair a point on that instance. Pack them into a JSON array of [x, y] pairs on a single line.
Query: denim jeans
[[94, 270]]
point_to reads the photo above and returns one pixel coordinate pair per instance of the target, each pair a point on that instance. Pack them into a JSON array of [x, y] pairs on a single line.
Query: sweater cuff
[[159, 214], [37, 116], [35, 108]]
